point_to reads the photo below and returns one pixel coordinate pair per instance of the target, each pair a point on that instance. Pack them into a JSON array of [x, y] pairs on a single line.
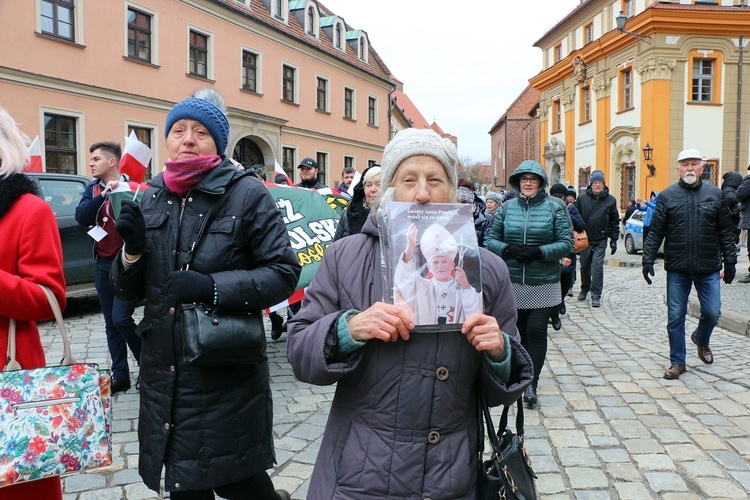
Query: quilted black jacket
[[208, 426], [696, 229]]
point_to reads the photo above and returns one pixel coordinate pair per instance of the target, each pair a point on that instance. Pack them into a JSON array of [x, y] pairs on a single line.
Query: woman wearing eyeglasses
[[531, 233]]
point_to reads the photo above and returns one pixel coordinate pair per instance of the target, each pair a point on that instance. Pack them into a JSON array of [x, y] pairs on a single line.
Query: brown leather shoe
[[674, 372], [704, 352]]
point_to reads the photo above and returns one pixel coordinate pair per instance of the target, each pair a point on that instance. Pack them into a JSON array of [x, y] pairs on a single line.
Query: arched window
[[311, 21], [338, 38]]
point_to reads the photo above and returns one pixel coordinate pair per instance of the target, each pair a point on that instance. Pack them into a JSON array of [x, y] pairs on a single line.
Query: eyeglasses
[[691, 164], [529, 178]]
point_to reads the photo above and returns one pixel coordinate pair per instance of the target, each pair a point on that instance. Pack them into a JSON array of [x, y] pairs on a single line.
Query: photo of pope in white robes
[[444, 295]]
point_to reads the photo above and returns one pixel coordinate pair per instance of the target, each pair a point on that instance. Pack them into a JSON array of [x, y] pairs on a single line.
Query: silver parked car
[[634, 233]]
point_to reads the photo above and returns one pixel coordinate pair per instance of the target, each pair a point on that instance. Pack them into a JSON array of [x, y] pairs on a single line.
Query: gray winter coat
[[403, 423], [209, 426]]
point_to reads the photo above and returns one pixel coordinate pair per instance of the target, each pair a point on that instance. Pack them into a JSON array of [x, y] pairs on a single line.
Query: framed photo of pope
[[431, 261]]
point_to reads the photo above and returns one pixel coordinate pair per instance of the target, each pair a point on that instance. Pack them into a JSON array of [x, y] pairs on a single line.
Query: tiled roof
[[258, 12], [410, 110]]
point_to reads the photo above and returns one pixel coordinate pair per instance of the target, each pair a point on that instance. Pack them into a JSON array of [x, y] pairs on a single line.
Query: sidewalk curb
[[730, 320]]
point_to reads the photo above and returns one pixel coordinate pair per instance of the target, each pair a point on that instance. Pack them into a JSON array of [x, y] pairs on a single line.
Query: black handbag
[[211, 338], [508, 473]]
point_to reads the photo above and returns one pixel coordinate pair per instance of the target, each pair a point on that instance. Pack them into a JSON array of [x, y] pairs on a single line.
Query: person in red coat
[[31, 254]]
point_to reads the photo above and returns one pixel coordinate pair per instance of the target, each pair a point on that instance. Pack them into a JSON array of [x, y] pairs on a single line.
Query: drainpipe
[[739, 99]]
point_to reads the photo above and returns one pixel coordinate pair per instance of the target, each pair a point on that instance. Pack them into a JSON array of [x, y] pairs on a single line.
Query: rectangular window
[[584, 175], [372, 111], [57, 18], [349, 103], [278, 10], [321, 101], [628, 8], [322, 159], [710, 171], [627, 184], [139, 35], [249, 71], [145, 136], [348, 161], [702, 81], [588, 32], [60, 144], [556, 116], [626, 89], [371, 163], [287, 161], [198, 54], [585, 106], [287, 90], [558, 52]]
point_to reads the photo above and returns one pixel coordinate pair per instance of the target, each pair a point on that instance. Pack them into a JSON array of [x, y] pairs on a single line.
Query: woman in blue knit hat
[[209, 426]]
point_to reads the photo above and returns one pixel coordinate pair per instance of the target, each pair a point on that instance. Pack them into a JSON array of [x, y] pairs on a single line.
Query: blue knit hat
[[207, 114], [596, 176]]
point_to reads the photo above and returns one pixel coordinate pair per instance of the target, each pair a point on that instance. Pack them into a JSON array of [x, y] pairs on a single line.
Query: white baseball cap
[[689, 154]]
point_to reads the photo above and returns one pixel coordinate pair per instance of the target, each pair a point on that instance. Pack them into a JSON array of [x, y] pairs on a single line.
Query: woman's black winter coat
[[209, 426]]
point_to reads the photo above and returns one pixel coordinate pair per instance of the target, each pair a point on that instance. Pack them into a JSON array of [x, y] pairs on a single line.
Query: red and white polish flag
[[135, 158], [35, 157]]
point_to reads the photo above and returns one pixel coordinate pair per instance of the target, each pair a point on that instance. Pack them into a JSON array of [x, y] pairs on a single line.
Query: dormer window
[[338, 36], [362, 52], [280, 9], [311, 21]]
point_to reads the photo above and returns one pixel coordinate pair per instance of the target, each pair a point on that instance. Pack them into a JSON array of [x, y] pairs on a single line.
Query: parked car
[[63, 192], [634, 233]]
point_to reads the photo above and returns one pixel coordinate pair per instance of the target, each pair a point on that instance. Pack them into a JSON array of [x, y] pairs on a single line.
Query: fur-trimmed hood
[[13, 187]]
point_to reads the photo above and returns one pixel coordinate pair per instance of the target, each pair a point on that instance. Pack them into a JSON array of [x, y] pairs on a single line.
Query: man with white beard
[[698, 236]]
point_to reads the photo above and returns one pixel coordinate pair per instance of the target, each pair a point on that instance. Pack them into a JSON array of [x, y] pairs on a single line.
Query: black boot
[[529, 397], [276, 322]]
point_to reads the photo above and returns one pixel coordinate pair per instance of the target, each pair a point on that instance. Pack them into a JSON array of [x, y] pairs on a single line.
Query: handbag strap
[[67, 359], [210, 216], [494, 434]]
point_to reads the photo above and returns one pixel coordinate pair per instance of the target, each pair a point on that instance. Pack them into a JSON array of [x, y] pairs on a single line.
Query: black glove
[[131, 227], [648, 269], [188, 286], [532, 253], [513, 252], [730, 271], [612, 246]]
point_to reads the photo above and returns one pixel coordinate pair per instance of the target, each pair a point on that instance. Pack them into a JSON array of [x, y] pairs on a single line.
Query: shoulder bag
[[213, 338], [580, 241], [508, 473], [54, 420]]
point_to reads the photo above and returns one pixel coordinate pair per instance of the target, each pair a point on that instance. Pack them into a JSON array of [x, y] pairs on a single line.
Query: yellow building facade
[[670, 79]]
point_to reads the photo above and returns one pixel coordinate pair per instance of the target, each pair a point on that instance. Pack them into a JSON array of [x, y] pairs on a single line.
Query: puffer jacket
[[208, 426], [649, 208], [696, 229], [531, 222], [743, 196], [732, 180], [601, 215], [403, 423]]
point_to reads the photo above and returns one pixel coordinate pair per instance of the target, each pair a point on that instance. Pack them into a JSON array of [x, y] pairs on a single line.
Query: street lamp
[[621, 20], [648, 151]]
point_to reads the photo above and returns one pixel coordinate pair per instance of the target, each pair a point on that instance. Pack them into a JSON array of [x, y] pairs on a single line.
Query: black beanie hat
[[558, 189]]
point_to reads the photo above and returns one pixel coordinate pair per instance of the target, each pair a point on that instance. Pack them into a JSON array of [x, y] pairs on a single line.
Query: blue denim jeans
[[708, 287], [592, 269], [118, 322]]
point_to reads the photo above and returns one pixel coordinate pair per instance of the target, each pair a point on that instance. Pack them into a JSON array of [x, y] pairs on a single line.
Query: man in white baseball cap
[[698, 233]]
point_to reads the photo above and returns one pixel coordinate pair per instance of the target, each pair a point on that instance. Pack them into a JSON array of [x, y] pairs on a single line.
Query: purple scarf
[[183, 175]]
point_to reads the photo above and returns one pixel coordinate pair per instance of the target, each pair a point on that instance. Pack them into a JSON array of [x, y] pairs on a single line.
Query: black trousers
[[532, 326], [257, 487]]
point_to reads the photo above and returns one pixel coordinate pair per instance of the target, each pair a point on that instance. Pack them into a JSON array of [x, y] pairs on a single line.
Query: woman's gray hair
[[14, 152]]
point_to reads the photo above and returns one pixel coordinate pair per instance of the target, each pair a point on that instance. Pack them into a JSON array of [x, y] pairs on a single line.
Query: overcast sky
[[462, 62]]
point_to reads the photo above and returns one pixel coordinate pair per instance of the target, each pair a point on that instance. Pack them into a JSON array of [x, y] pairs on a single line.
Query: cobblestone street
[[608, 424]]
